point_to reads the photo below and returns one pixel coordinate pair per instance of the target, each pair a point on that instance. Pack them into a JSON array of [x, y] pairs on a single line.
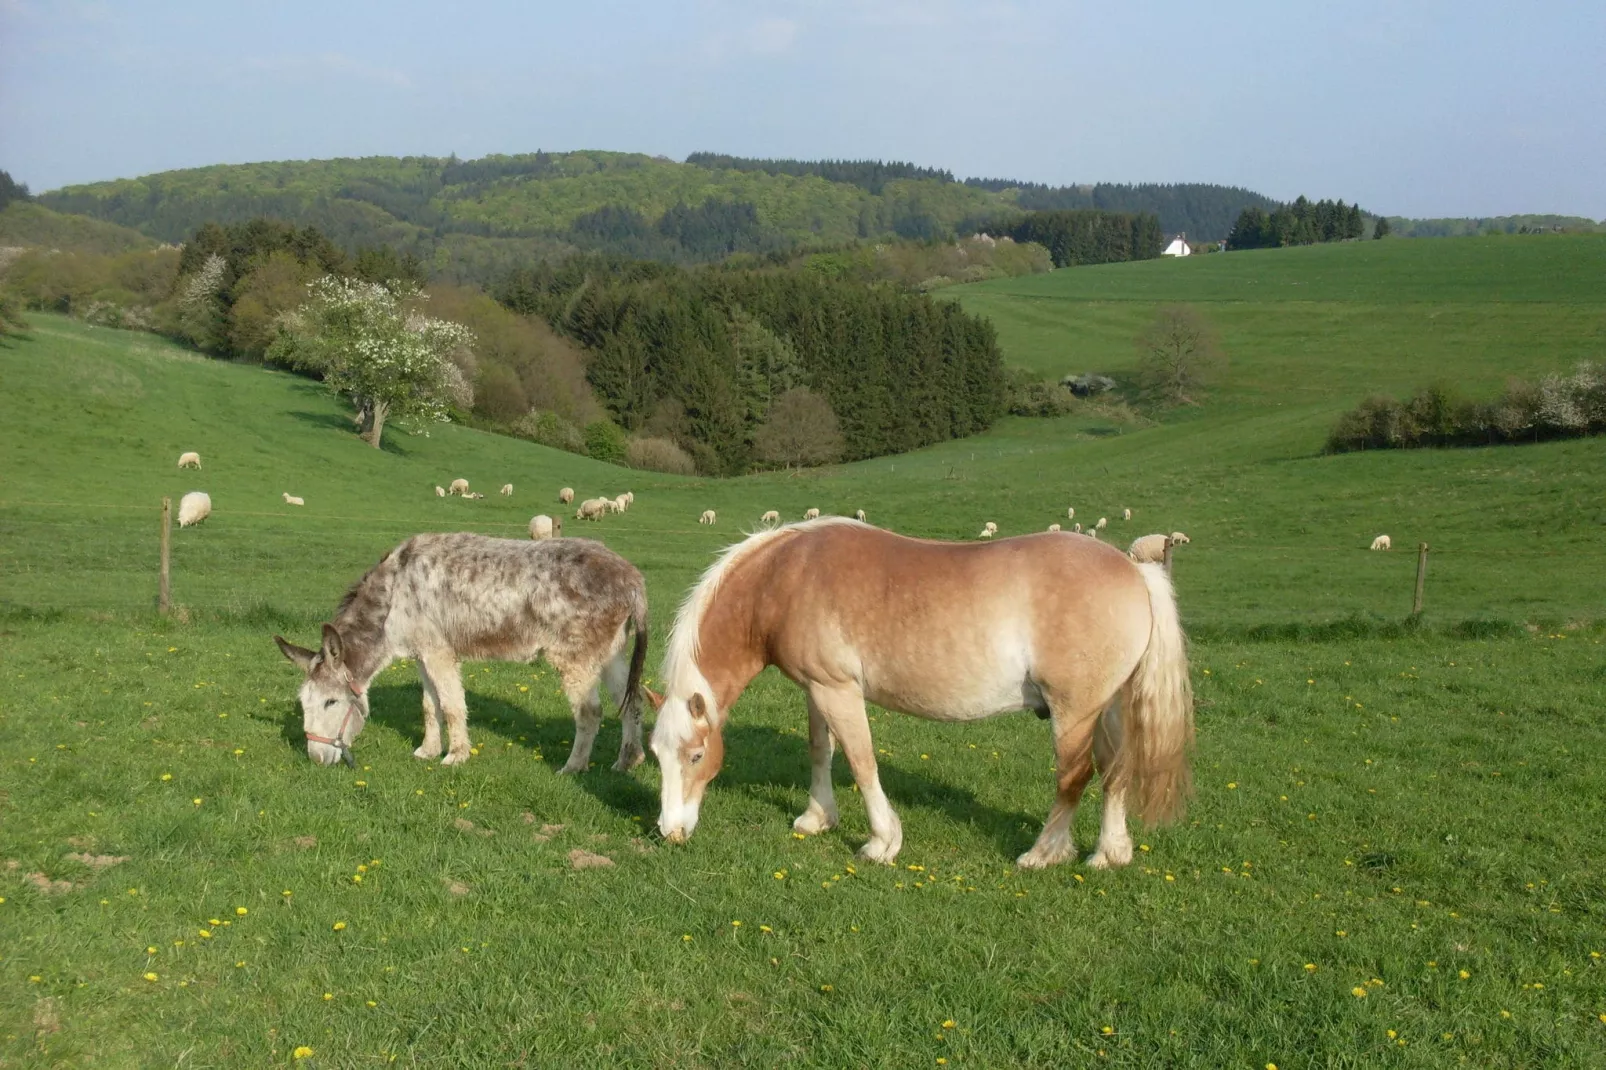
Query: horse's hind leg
[[1073, 759], [821, 813], [616, 674], [843, 711], [1115, 842]]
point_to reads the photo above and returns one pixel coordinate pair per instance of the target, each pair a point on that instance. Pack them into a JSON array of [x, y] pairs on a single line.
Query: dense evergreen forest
[[1088, 236], [1302, 222], [1203, 211]]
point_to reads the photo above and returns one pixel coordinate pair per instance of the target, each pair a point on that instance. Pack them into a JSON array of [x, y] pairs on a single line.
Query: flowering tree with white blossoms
[[369, 347]]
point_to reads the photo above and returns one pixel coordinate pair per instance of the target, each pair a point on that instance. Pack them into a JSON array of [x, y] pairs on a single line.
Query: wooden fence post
[[557, 525], [1421, 578], [164, 594], [1168, 545]]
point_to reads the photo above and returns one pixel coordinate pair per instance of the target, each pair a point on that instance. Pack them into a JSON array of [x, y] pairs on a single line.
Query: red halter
[[353, 709]]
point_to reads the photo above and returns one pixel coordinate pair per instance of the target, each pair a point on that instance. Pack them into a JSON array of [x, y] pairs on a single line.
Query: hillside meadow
[[1393, 857]]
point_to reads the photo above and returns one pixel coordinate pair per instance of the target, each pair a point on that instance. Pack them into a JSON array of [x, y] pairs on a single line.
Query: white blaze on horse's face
[[332, 713], [690, 750]]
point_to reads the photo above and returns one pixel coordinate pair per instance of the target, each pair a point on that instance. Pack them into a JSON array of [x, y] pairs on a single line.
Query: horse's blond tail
[[1157, 711]]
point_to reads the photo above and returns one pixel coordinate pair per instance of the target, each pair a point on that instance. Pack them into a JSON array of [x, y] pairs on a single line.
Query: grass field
[[1412, 814]]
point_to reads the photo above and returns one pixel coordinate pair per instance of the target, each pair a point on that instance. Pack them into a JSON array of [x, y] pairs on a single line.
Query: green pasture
[[1408, 812]]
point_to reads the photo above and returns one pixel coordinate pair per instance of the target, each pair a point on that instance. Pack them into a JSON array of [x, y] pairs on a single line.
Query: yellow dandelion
[[826, 988], [685, 938], [736, 925], [150, 950], [765, 929], [1310, 967], [371, 1003], [152, 977], [356, 878], [1358, 992], [240, 965], [241, 911], [948, 1023], [206, 934], [1271, 1066], [302, 1052], [1505, 1014], [1392, 1034], [328, 996], [779, 874], [1107, 1030], [339, 926], [197, 802], [1463, 974], [941, 1061], [1232, 785], [286, 893], [167, 776]]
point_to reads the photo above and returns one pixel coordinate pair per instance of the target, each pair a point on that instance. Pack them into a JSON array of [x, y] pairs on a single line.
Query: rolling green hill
[[30, 225], [1392, 857]]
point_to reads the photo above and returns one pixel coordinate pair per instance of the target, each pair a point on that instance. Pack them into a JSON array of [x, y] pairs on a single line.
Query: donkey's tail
[[1157, 711], [638, 657]]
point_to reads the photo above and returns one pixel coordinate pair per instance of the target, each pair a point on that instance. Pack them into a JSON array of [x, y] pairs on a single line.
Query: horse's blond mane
[[680, 653]]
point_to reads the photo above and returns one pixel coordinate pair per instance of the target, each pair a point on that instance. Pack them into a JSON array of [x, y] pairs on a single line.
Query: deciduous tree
[[801, 430], [1178, 355]]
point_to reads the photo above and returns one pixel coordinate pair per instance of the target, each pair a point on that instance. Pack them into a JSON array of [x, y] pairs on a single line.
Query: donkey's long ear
[[653, 697], [333, 646], [298, 654], [698, 708]]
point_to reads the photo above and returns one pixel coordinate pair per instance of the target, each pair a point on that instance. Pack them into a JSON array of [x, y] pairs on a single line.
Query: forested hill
[[476, 218]]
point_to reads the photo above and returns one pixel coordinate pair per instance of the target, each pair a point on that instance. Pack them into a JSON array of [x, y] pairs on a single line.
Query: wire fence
[[101, 557]]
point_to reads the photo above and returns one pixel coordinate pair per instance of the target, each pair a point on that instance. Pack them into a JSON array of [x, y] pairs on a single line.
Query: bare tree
[[801, 430], [1178, 355]]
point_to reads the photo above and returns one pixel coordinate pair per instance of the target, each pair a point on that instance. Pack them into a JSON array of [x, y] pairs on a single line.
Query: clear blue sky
[[1414, 107]]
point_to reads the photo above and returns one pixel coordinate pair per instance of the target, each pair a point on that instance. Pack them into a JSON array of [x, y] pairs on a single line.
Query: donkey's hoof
[[570, 769], [456, 757], [628, 760], [428, 754]]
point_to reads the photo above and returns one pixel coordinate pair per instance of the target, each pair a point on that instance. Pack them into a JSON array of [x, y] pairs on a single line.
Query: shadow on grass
[[331, 421]]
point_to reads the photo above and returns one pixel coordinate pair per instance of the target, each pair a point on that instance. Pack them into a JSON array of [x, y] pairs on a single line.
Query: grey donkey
[[441, 598]]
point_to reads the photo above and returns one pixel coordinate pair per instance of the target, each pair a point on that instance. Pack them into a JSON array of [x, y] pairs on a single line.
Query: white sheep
[[189, 460], [458, 486], [708, 517], [990, 528], [592, 509], [812, 514], [566, 495], [1070, 514], [1053, 527], [986, 533], [1151, 548], [1093, 532], [771, 517], [1126, 514], [476, 496], [291, 499], [440, 491], [1101, 524], [507, 489], [630, 497], [541, 527], [621, 503], [858, 514], [1382, 543], [193, 508], [1079, 529]]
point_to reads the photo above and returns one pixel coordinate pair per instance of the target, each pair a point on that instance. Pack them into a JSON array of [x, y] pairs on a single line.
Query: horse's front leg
[[821, 813], [842, 708]]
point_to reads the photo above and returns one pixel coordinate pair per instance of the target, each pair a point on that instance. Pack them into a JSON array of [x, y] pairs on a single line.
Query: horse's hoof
[[812, 822], [885, 853], [1036, 859], [1104, 859]]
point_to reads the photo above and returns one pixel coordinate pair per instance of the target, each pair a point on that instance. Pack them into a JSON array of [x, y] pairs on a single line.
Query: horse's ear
[[698, 708], [653, 697], [298, 654], [333, 646]]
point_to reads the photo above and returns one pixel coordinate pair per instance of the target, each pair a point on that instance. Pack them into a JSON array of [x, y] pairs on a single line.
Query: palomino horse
[[440, 598], [1058, 623]]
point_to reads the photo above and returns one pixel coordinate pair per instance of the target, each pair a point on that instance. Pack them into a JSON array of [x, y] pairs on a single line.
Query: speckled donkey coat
[[442, 598]]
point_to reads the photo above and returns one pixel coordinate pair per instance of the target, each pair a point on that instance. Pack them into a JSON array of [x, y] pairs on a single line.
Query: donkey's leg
[[444, 671], [616, 674], [842, 707], [586, 701], [432, 715], [821, 813], [1115, 842], [1073, 759]]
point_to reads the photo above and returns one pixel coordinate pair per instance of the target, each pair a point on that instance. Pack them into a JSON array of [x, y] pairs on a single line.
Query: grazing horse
[[1061, 625], [443, 597]]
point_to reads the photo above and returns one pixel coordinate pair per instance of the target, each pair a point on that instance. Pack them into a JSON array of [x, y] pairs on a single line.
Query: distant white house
[[1178, 247]]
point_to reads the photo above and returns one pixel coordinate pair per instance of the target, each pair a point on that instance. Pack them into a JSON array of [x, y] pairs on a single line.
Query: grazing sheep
[[1103, 521], [621, 503], [1079, 529], [990, 528], [1053, 527], [507, 489], [193, 508], [771, 517], [1382, 543], [189, 460], [541, 527], [1070, 514], [812, 514], [708, 517], [986, 533], [859, 515], [592, 509], [1126, 514], [291, 499], [1093, 532], [476, 496], [1150, 548], [1178, 537], [440, 491], [458, 486], [630, 496], [566, 495]]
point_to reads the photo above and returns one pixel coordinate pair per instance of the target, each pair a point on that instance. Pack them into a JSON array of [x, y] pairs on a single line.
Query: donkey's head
[[334, 706], [690, 749]]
